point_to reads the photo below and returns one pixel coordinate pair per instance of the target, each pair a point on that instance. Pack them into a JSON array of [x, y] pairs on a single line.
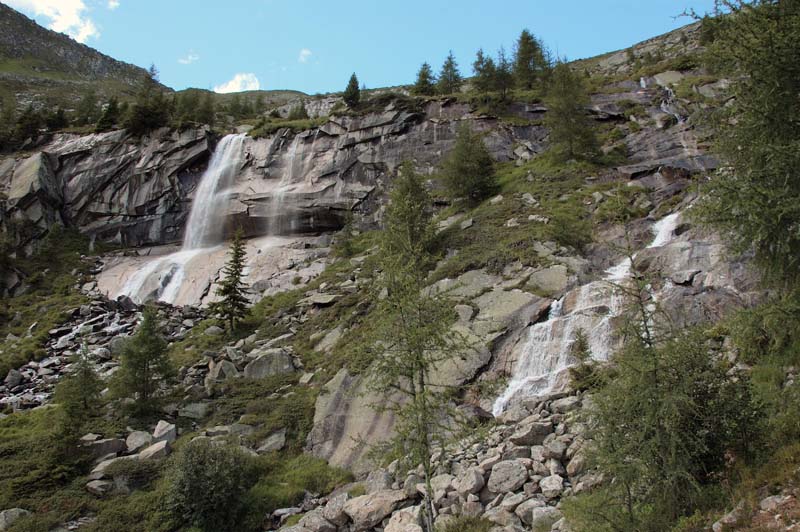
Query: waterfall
[[590, 308], [204, 227]]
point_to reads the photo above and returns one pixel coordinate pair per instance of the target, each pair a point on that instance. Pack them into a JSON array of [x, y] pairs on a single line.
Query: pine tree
[[352, 94], [449, 77], [468, 170], [110, 116], [232, 290], [235, 106], [425, 84], [28, 124], [8, 121], [485, 73], [78, 394], [530, 61], [56, 120], [572, 134], [413, 326], [145, 363]]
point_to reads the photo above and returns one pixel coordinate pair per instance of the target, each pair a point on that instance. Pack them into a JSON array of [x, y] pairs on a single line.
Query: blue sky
[[314, 45]]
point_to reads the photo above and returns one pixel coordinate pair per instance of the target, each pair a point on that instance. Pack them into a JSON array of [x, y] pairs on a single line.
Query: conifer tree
[[449, 77], [56, 120], [78, 393], [352, 94], [572, 134], [232, 290], [145, 363], [110, 116], [298, 112], [485, 72], [8, 120], [530, 61], [413, 328], [504, 78], [151, 109], [28, 124], [425, 84], [468, 170], [754, 199], [87, 110]]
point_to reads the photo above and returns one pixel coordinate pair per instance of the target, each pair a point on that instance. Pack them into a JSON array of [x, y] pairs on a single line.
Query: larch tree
[[468, 170], [572, 135], [530, 61], [485, 72]]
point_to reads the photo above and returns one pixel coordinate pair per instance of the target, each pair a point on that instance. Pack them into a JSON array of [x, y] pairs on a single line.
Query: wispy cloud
[[244, 81], [189, 58], [305, 55], [113, 4], [66, 16]]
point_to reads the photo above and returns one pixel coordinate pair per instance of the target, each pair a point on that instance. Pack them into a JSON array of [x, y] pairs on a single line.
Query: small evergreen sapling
[[232, 289]]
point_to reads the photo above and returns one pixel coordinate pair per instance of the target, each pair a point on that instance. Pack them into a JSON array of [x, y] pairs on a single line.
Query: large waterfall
[[590, 308], [204, 227]]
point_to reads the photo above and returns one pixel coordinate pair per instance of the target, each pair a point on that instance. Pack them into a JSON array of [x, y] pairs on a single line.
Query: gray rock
[[10, 516], [508, 475], [532, 433], [316, 522], [470, 481], [552, 486], [377, 480], [274, 442], [160, 449], [106, 446], [194, 410], [334, 510], [272, 362], [566, 404], [165, 432], [100, 487], [214, 331], [369, 510], [138, 440], [13, 378]]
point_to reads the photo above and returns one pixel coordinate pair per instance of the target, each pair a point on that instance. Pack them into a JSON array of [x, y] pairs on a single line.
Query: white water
[[590, 308], [204, 227]]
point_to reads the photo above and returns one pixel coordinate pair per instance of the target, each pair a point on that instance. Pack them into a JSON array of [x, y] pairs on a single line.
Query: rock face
[[138, 191]]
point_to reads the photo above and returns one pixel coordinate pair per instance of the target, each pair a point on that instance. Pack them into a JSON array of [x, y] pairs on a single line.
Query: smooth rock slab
[[156, 451], [273, 362]]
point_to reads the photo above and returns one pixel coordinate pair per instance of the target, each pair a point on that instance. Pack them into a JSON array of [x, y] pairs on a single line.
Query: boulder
[[532, 433], [469, 482], [506, 476], [525, 510], [552, 486], [165, 432], [160, 449], [566, 404], [99, 487], [214, 331], [541, 517], [405, 520], [377, 480], [369, 510], [10, 516], [106, 446], [334, 510], [316, 522], [137, 440], [197, 410], [13, 378], [272, 362], [274, 442]]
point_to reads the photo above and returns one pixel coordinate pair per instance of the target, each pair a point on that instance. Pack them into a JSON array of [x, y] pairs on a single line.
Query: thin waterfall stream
[[590, 308]]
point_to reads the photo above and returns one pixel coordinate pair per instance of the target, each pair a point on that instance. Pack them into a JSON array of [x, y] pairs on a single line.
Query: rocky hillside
[[288, 389], [41, 66]]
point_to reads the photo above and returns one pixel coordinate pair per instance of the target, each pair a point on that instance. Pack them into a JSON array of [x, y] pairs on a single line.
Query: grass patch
[[268, 126]]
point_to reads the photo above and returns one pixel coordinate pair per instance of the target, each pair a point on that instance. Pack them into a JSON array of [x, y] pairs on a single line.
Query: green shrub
[[206, 485], [467, 524]]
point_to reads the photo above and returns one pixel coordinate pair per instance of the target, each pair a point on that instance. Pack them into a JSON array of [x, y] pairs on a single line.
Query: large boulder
[[137, 440], [368, 511], [10, 516], [273, 362], [507, 476], [165, 431]]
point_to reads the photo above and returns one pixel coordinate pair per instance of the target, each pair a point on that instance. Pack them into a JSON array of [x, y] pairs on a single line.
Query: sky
[[314, 45]]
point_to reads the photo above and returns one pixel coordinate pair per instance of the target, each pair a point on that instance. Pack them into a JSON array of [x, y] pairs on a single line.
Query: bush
[[207, 484], [468, 171], [467, 524]]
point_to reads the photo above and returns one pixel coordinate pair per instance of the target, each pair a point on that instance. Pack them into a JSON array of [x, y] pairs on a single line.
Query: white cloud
[[305, 54], [189, 58], [244, 81], [66, 16], [113, 4]]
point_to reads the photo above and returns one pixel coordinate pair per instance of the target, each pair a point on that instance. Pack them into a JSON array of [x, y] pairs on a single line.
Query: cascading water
[[590, 308], [203, 228]]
